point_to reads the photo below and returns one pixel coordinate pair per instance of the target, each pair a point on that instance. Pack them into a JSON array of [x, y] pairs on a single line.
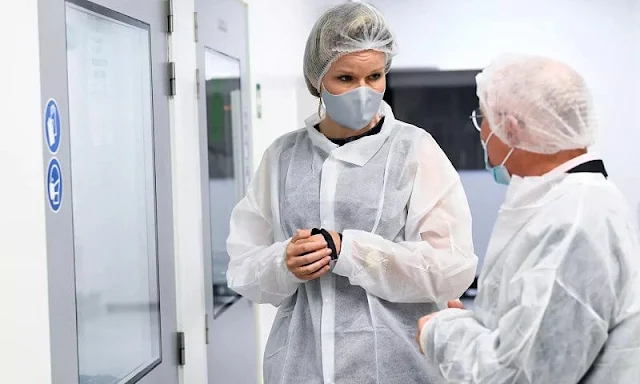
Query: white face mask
[[354, 109]]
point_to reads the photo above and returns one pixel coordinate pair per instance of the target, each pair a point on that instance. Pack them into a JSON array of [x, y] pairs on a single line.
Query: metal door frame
[[227, 21], [59, 225]]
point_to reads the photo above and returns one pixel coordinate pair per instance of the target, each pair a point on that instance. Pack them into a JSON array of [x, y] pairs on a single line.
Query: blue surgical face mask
[[500, 173], [354, 109]]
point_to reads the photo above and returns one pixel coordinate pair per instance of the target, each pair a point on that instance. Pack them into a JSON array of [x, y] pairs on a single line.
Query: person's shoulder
[[589, 229], [286, 141], [605, 202], [417, 138], [415, 134], [411, 131], [590, 206], [591, 196], [289, 138]]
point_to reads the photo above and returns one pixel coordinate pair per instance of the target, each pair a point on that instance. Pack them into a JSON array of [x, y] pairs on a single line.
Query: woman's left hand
[[336, 240]]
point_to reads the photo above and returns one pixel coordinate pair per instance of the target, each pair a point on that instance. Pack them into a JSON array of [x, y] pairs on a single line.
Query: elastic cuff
[[428, 332], [329, 239], [330, 243], [345, 265]]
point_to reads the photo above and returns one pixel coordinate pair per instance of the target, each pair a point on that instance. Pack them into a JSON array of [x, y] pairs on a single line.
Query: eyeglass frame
[[475, 115]]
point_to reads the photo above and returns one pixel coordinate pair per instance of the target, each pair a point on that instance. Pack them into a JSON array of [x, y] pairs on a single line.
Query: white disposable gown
[[559, 292], [406, 246]]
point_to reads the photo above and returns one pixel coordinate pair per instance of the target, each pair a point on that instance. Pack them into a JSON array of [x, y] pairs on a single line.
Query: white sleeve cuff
[[345, 265]]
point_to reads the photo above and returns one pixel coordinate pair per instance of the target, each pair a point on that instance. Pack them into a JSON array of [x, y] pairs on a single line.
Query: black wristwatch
[[330, 243]]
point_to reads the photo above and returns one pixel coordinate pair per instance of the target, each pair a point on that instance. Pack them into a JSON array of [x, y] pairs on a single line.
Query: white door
[[109, 222]]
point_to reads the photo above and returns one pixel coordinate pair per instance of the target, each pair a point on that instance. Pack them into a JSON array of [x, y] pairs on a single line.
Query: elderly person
[[558, 299], [354, 225]]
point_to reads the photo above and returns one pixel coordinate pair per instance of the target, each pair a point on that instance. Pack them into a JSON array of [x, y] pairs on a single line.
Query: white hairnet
[[549, 99], [344, 29]]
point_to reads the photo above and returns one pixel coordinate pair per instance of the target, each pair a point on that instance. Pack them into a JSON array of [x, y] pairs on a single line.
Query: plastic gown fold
[[406, 247], [558, 294]]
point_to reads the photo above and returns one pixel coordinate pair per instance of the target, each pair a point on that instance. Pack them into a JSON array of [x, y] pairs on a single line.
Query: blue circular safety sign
[[54, 185], [52, 129]]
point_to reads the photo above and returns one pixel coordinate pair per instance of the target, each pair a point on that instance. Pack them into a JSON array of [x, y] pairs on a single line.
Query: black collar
[[593, 166], [373, 131]]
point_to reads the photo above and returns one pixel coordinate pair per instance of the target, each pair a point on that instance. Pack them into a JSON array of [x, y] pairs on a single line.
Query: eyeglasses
[[476, 118]]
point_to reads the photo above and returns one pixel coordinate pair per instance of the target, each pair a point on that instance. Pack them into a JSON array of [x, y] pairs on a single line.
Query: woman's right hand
[[307, 256]]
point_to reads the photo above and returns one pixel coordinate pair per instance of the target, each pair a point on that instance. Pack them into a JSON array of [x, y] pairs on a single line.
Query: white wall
[[277, 35], [594, 36], [24, 298]]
